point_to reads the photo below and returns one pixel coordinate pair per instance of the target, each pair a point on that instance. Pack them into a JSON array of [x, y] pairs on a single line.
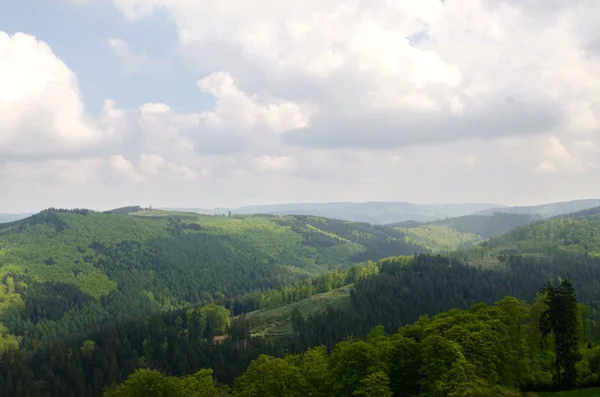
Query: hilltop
[[65, 270]]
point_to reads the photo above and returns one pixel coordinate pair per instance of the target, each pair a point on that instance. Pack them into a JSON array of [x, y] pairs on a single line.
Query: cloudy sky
[[213, 103]]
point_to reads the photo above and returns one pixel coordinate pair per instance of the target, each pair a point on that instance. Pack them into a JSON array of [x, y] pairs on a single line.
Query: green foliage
[[482, 351], [151, 383]]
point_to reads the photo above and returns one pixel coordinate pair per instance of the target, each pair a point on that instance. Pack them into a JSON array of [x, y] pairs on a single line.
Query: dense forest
[[487, 350], [64, 271], [182, 342]]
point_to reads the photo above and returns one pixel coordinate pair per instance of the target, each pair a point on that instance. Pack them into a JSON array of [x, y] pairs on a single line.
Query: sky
[[224, 103]]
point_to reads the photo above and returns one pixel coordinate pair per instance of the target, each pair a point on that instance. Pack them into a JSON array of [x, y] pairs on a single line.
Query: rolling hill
[[460, 232], [369, 212], [65, 270], [574, 233], [546, 210]]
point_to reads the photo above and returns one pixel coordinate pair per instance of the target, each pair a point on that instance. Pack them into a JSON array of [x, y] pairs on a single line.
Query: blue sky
[[223, 103], [78, 34]]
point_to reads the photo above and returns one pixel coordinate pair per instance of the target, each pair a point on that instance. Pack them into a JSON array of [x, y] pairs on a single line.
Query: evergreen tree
[[561, 320]]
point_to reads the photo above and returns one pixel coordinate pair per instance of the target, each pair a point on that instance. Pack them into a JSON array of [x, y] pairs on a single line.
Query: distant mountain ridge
[[546, 210], [374, 212], [5, 218]]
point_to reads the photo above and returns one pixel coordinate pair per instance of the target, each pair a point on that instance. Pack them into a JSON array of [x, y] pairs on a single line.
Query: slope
[[576, 233], [274, 322], [63, 271]]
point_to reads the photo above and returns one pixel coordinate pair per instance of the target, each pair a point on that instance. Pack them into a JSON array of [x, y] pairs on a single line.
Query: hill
[[577, 233], [64, 271], [369, 212], [463, 231], [546, 210]]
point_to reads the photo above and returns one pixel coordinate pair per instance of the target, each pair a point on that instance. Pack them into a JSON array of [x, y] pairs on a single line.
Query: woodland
[[140, 302]]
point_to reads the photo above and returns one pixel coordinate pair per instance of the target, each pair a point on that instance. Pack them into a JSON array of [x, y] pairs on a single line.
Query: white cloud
[[274, 163], [321, 100], [124, 168], [40, 103], [469, 160], [235, 109], [545, 168], [134, 63]]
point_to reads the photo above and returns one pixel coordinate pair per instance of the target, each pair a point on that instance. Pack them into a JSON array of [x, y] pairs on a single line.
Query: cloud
[[123, 168], [135, 63], [472, 100], [274, 163], [40, 103], [469, 74]]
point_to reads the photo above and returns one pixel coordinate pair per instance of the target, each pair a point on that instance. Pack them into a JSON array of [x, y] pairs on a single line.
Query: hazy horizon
[[200, 207]]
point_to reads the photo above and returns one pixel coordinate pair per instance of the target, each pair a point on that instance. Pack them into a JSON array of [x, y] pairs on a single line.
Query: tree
[[376, 384], [561, 320], [271, 377]]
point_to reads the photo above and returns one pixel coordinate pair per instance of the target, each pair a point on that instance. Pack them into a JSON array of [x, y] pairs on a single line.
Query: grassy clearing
[[277, 321]]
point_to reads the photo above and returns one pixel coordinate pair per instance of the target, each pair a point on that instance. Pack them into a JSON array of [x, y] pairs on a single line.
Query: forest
[[404, 293], [63, 271], [95, 304], [486, 350]]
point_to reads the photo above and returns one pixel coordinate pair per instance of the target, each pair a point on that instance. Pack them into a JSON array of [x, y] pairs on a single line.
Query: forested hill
[[577, 232], [454, 233], [63, 271]]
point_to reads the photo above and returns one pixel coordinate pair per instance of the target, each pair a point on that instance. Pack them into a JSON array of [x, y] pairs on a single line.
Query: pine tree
[[561, 320]]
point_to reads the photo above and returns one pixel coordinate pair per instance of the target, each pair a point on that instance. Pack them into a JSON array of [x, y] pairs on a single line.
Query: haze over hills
[[4, 218], [546, 210], [373, 212], [573, 233], [378, 212]]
